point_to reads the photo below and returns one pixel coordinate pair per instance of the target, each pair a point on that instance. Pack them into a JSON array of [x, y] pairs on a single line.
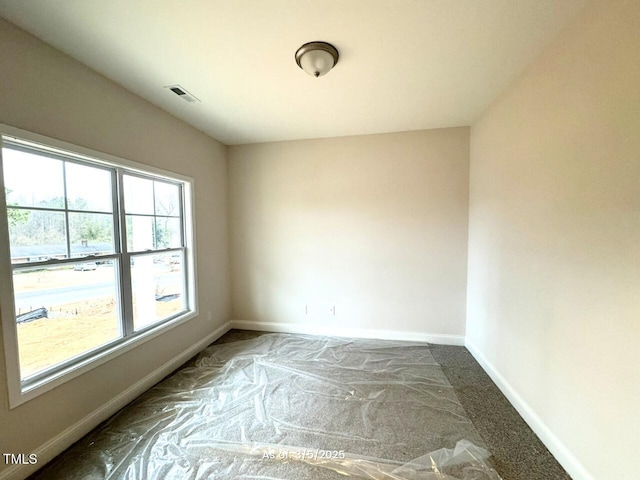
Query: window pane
[[167, 199], [138, 195], [158, 287], [90, 233], [64, 311], [36, 235], [88, 188], [32, 180], [168, 232], [139, 233]]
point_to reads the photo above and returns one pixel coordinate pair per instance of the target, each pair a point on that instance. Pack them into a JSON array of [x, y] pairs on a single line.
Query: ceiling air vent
[[182, 93]]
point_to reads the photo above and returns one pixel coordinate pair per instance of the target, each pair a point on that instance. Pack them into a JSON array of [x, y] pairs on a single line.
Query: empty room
[[318, 239]]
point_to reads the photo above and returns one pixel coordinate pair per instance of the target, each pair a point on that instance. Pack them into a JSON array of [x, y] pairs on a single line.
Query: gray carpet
[[517, 453], [396, 409]]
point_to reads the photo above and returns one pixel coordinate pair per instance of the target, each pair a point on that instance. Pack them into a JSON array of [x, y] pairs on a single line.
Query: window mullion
[[181, 210], [125, 287], [183, 244], [66, 209], [155, 218]]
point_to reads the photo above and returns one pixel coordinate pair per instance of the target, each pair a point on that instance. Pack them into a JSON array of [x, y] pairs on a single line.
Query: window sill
[[60, 377]]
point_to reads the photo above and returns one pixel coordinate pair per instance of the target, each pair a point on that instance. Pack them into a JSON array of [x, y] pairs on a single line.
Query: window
[[100, 255]]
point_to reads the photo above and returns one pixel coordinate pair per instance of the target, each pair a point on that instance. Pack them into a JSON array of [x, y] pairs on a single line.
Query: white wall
[[554, 242], [375, 225], [46, 92]]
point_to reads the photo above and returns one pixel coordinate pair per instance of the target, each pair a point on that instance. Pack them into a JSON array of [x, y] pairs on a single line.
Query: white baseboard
[[558, 449], [440, 339], [75, 432]]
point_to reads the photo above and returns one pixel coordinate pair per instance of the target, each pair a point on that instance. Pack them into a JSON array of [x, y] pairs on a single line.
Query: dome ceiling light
[[317, 58]]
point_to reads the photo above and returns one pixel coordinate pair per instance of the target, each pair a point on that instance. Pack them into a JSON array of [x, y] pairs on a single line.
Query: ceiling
[[404, 64]]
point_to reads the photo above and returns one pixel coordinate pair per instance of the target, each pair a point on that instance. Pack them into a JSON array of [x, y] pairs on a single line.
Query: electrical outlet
[[333, 310]]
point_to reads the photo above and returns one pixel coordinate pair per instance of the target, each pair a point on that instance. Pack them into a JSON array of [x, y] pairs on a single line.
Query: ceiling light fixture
[[317, 58]]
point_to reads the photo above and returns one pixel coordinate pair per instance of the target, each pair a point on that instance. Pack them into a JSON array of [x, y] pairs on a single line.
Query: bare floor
[[263, 405]]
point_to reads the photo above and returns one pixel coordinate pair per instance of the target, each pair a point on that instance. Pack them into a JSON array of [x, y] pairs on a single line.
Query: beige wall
[[46, 92], [375, 225], [554, 243]]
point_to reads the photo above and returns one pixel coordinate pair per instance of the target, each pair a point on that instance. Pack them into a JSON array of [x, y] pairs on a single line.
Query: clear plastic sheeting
[[290, 407]]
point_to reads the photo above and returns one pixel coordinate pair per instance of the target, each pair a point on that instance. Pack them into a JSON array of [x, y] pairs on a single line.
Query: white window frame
[[21, 392]]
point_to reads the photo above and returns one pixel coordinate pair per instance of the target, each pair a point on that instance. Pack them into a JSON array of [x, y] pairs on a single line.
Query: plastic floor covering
[[289, 407]]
